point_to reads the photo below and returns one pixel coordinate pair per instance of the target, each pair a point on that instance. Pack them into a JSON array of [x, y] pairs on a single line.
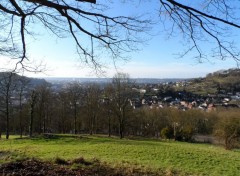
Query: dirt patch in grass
[[70, 168], [34, 167]]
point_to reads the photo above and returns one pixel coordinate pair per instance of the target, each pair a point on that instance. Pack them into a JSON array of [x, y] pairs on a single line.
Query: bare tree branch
[[206, 22], [201, 23], [114, 35]]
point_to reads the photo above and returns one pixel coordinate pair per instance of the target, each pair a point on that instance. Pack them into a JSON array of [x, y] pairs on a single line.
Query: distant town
[[151, 93], [159, 93]]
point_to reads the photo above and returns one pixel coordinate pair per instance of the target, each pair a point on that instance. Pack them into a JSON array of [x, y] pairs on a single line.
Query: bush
[[166, 133], [187, 134], [228, 129]]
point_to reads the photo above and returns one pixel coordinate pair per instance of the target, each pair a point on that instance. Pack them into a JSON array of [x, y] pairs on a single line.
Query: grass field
[[182, 158]]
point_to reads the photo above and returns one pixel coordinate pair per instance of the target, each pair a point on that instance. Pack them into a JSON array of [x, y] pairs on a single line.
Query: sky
[[156, 58]]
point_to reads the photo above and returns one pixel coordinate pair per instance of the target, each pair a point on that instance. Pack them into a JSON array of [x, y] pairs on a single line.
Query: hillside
[[32, 82], [128, 155], [220, 82]]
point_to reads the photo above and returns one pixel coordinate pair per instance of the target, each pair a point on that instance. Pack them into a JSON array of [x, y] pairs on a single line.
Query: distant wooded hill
[[32, 82], [220, 82]]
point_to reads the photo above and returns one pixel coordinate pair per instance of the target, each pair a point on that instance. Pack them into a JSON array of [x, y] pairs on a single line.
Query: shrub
[[166, 133], [228, 129], [187, 133]]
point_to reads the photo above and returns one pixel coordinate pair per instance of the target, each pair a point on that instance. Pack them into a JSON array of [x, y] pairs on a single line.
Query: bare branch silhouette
[[114, 34], [202, 23]]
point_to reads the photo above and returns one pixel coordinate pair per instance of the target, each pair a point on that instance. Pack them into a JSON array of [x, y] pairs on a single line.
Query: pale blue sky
[[156, 59]]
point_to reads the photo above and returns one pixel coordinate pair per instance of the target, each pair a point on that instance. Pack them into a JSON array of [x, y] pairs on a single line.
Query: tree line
[[81, 109]]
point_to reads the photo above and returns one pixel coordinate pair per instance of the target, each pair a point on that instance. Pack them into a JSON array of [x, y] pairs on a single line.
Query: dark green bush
[[167, 133]]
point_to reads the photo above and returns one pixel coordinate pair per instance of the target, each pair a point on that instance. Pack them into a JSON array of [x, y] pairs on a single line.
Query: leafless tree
[[33, 100], [7, 86], [63, 110], [75, 92], [108, 106], [227, 128], [44, 100], [114, 34], [207, 26], [92, 105], [121, 99], [22, 84]]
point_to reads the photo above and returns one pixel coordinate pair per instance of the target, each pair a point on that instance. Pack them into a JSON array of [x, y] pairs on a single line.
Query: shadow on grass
[[78, 166], [7, 156]]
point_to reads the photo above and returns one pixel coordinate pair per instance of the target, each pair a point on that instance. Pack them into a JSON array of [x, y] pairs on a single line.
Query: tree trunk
[[33, 99], [40, 122], [121, 129], [20, 124], [31, 122], [75, 118], [20, 114], [90, 121], [7, 116], [109, 125], [95, 124], [90, 127], [227, 144], [44, 123]]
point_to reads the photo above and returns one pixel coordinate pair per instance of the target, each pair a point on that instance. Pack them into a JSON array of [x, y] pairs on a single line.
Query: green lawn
[[184, 158]]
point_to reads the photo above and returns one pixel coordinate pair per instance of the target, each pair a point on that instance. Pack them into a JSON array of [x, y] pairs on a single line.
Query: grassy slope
[[182, 157]]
